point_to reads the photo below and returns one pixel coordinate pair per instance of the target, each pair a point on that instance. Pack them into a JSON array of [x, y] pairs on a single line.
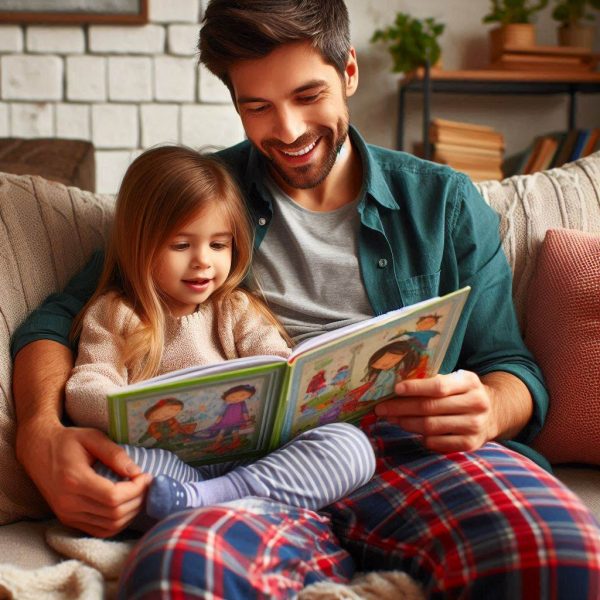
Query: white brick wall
[[4, 124], [159, 124], [174, 79], [60, 40], [32, 120], [121, 39], [174, 11], [182, 39], [130, 78], [73, 121], [115, 125], [110, 168], [211, 89], [208, 125], [11, 38], [31, 77], [124, 88], [86, 78]]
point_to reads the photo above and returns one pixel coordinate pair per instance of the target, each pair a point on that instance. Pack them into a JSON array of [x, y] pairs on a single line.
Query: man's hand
[[59, 460], [459, 412]]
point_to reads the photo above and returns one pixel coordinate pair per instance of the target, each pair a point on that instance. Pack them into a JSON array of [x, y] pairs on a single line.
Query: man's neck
[[341, 186]]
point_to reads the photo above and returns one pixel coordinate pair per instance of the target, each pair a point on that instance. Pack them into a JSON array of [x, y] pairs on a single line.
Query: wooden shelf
[[503, 76], [495, 82]]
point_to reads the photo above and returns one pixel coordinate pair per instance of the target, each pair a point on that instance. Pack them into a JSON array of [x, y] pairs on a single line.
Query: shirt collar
[[375, 185]]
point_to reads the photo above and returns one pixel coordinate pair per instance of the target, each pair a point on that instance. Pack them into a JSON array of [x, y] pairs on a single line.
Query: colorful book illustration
[[246, 407]]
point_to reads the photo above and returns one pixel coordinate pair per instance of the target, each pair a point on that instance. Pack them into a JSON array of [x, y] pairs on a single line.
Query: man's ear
[[351, 73]]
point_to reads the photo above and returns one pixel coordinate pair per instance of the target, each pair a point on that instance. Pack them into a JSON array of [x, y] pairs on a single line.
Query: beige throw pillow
[[47, 233]]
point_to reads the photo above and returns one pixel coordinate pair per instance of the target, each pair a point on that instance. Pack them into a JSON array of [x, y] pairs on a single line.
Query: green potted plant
[[572, 14], [411, 42], [515, 28]]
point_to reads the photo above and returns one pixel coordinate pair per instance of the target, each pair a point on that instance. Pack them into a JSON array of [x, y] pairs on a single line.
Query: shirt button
[[382, 263], [262, 221]]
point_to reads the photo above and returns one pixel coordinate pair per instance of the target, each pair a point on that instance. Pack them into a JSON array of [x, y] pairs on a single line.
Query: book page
[[202, 420], [344, 378]]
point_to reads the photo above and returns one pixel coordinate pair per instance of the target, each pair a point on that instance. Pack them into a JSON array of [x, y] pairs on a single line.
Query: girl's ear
[[351, 73]]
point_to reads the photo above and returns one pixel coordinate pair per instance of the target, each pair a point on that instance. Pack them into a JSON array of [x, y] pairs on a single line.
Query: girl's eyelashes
[[220, 245], [179, 246]]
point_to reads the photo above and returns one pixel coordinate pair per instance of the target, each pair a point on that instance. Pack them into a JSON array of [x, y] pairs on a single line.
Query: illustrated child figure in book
[[420, 339], [235, 416], [169, 297], [385, 365], [163, 423]]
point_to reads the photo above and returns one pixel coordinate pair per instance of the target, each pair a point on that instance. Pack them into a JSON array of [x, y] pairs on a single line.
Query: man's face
[[294, 110]]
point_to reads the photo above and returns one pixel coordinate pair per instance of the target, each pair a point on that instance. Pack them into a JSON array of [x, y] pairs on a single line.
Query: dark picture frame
[[74, 12]]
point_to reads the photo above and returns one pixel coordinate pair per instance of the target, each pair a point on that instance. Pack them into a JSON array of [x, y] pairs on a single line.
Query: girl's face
[[196, 261], [162, 413], [388, 361], [238, 396]]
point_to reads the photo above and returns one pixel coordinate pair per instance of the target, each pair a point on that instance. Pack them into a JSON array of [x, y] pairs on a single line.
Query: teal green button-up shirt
[[425, 231]]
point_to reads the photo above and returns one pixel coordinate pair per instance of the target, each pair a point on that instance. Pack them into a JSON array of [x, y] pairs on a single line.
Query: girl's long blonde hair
[[162, 190]]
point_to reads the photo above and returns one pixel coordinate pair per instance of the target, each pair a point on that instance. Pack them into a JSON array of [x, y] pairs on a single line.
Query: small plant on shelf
[[506, 12], [571, 12], [411, 42], [572, 16], [515, 28]]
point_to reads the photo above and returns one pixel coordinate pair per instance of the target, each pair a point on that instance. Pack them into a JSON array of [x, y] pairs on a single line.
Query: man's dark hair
[[235, 30]]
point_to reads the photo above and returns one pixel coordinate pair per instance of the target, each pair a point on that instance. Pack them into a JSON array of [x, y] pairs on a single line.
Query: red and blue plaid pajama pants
[[485, 525]]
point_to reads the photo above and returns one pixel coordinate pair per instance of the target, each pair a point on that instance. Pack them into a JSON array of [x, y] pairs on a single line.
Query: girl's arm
[[99, 368], [252, 333]]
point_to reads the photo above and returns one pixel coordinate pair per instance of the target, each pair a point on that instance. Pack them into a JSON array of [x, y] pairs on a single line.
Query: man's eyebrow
[[309, 85]]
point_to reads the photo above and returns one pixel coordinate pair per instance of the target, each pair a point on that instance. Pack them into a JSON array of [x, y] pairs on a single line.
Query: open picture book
[[246, 407]]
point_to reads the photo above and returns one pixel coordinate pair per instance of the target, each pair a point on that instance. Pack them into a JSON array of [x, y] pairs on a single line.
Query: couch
[[48, 230]]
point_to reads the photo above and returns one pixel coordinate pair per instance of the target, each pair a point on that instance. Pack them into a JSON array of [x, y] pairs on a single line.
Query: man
[[343, 230]]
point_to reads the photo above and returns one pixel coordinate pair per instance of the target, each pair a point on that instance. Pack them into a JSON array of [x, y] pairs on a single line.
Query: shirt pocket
[[420, 287]]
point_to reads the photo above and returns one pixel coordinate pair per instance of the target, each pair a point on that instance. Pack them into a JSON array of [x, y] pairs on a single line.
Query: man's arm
[[498, 393], [58, 458]]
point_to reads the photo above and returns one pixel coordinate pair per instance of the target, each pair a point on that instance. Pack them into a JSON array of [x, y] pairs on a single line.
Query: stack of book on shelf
[[555, 149], [476, 150], [546, 58]]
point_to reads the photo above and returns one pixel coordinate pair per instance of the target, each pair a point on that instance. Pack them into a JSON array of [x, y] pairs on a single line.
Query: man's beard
[[308, 176]]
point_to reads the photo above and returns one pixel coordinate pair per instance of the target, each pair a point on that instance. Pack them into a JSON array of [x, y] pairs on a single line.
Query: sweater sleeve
[[252, 333], [99, 368]]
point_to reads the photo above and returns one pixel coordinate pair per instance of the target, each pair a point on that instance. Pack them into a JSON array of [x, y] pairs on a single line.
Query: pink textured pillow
[[563, 332]]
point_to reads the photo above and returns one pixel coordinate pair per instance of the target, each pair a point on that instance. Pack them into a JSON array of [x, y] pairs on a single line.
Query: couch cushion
[[563, 332], [47, 232], [70, 162], [529, 205]]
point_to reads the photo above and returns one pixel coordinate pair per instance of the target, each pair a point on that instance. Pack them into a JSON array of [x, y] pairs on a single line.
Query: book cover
[[449, 124], [533, 154], [468, 151], [580, 143], [543, 154], [246, 407], [566, 149], [592, 142]]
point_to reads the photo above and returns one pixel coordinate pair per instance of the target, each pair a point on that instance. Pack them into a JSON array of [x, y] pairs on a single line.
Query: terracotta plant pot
[[513, 35], [578, 35]]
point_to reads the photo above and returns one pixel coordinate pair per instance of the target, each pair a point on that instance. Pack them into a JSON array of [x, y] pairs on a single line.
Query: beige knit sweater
[[201, 338]]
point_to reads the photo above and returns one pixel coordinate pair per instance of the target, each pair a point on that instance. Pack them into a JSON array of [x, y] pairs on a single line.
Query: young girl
[[169, 297]]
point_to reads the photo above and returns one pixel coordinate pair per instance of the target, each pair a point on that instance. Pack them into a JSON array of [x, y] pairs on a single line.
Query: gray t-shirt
[[307, 266]]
